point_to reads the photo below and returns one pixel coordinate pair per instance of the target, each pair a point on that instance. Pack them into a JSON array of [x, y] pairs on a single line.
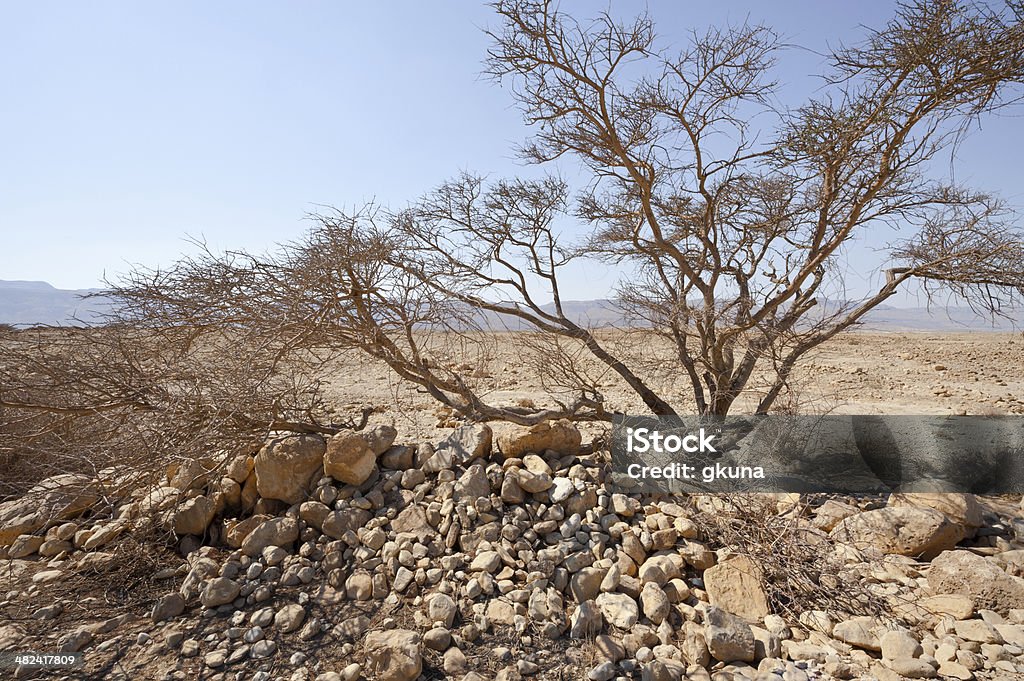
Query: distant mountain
[[888, 318], [36, 302], [598, 313]]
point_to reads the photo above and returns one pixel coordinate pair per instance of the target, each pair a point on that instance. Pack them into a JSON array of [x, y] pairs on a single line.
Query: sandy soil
[[861, 372]]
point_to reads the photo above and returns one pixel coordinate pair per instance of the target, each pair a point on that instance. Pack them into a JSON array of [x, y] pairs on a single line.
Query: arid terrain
[[861, 372], [422, 547]]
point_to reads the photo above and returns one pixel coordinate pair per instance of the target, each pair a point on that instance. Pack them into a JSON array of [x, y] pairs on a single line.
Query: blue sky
[[126, 126]]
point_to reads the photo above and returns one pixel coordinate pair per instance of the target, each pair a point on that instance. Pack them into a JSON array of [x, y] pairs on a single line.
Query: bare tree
[[734, 212], [726, 213]]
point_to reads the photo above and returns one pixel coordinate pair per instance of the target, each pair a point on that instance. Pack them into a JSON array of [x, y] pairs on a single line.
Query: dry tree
[[724, 214]]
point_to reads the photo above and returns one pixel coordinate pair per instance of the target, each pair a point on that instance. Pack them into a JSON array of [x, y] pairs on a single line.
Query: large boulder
[[235, 531], [618, 609], [193, 516], [560, 436], [982, 580], [902, 530], [735, 586], [55, 499], [862, 632], [472, 485], [285, 467], [468, 442], [728, 637], [413, 520], [379, 438], [961, 509], [349, 458], [219, 591], [273, 532], [393, 655]]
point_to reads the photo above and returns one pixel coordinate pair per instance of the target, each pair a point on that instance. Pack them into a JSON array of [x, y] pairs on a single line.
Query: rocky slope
[[497, 555]]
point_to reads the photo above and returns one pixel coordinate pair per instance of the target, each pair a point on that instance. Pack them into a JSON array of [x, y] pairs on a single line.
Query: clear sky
[[126, 126]]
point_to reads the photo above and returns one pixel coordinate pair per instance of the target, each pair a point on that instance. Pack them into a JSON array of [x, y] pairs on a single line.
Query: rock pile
[[502, 556]]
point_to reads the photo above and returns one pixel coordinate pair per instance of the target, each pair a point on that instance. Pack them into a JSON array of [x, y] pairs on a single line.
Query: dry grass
[[801, 570]]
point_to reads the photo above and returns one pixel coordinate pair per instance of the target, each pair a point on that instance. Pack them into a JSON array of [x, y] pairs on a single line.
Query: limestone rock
[[608, 648], [57, 498], [912, 668], [193, 516], [393, 655], [240, 468], [442, 609], [655, 603], [735, 586], [191, 474], [861, 632], [337, 523], [561, 436], [167, 607], [500, 611], [413, 520], [454, 662], [585, 584], [236, 531], [533, 482], [618, 609], [349, 458], [379, 438], [977, 630], [285, 466], [694, 646], [957, 606], [472, 485], [219, 591], [273, 532], [24, 545], [397, 458], [728, 637], [486, 561], [903, 530], [103, 534], [955, 670], [466, 444], [289, 618], [359, 586], [437, 639], [831, 513], [586, 620], [314, 513], [561, 489], [978, 578], [962, 509], [511, 492], [625, 506], [899, 644]]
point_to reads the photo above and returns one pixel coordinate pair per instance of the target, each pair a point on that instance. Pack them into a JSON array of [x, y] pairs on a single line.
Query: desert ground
[[860, 372], [425, 548]]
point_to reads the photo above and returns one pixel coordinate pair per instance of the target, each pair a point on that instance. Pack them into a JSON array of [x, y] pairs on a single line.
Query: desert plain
[[423, 547]]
